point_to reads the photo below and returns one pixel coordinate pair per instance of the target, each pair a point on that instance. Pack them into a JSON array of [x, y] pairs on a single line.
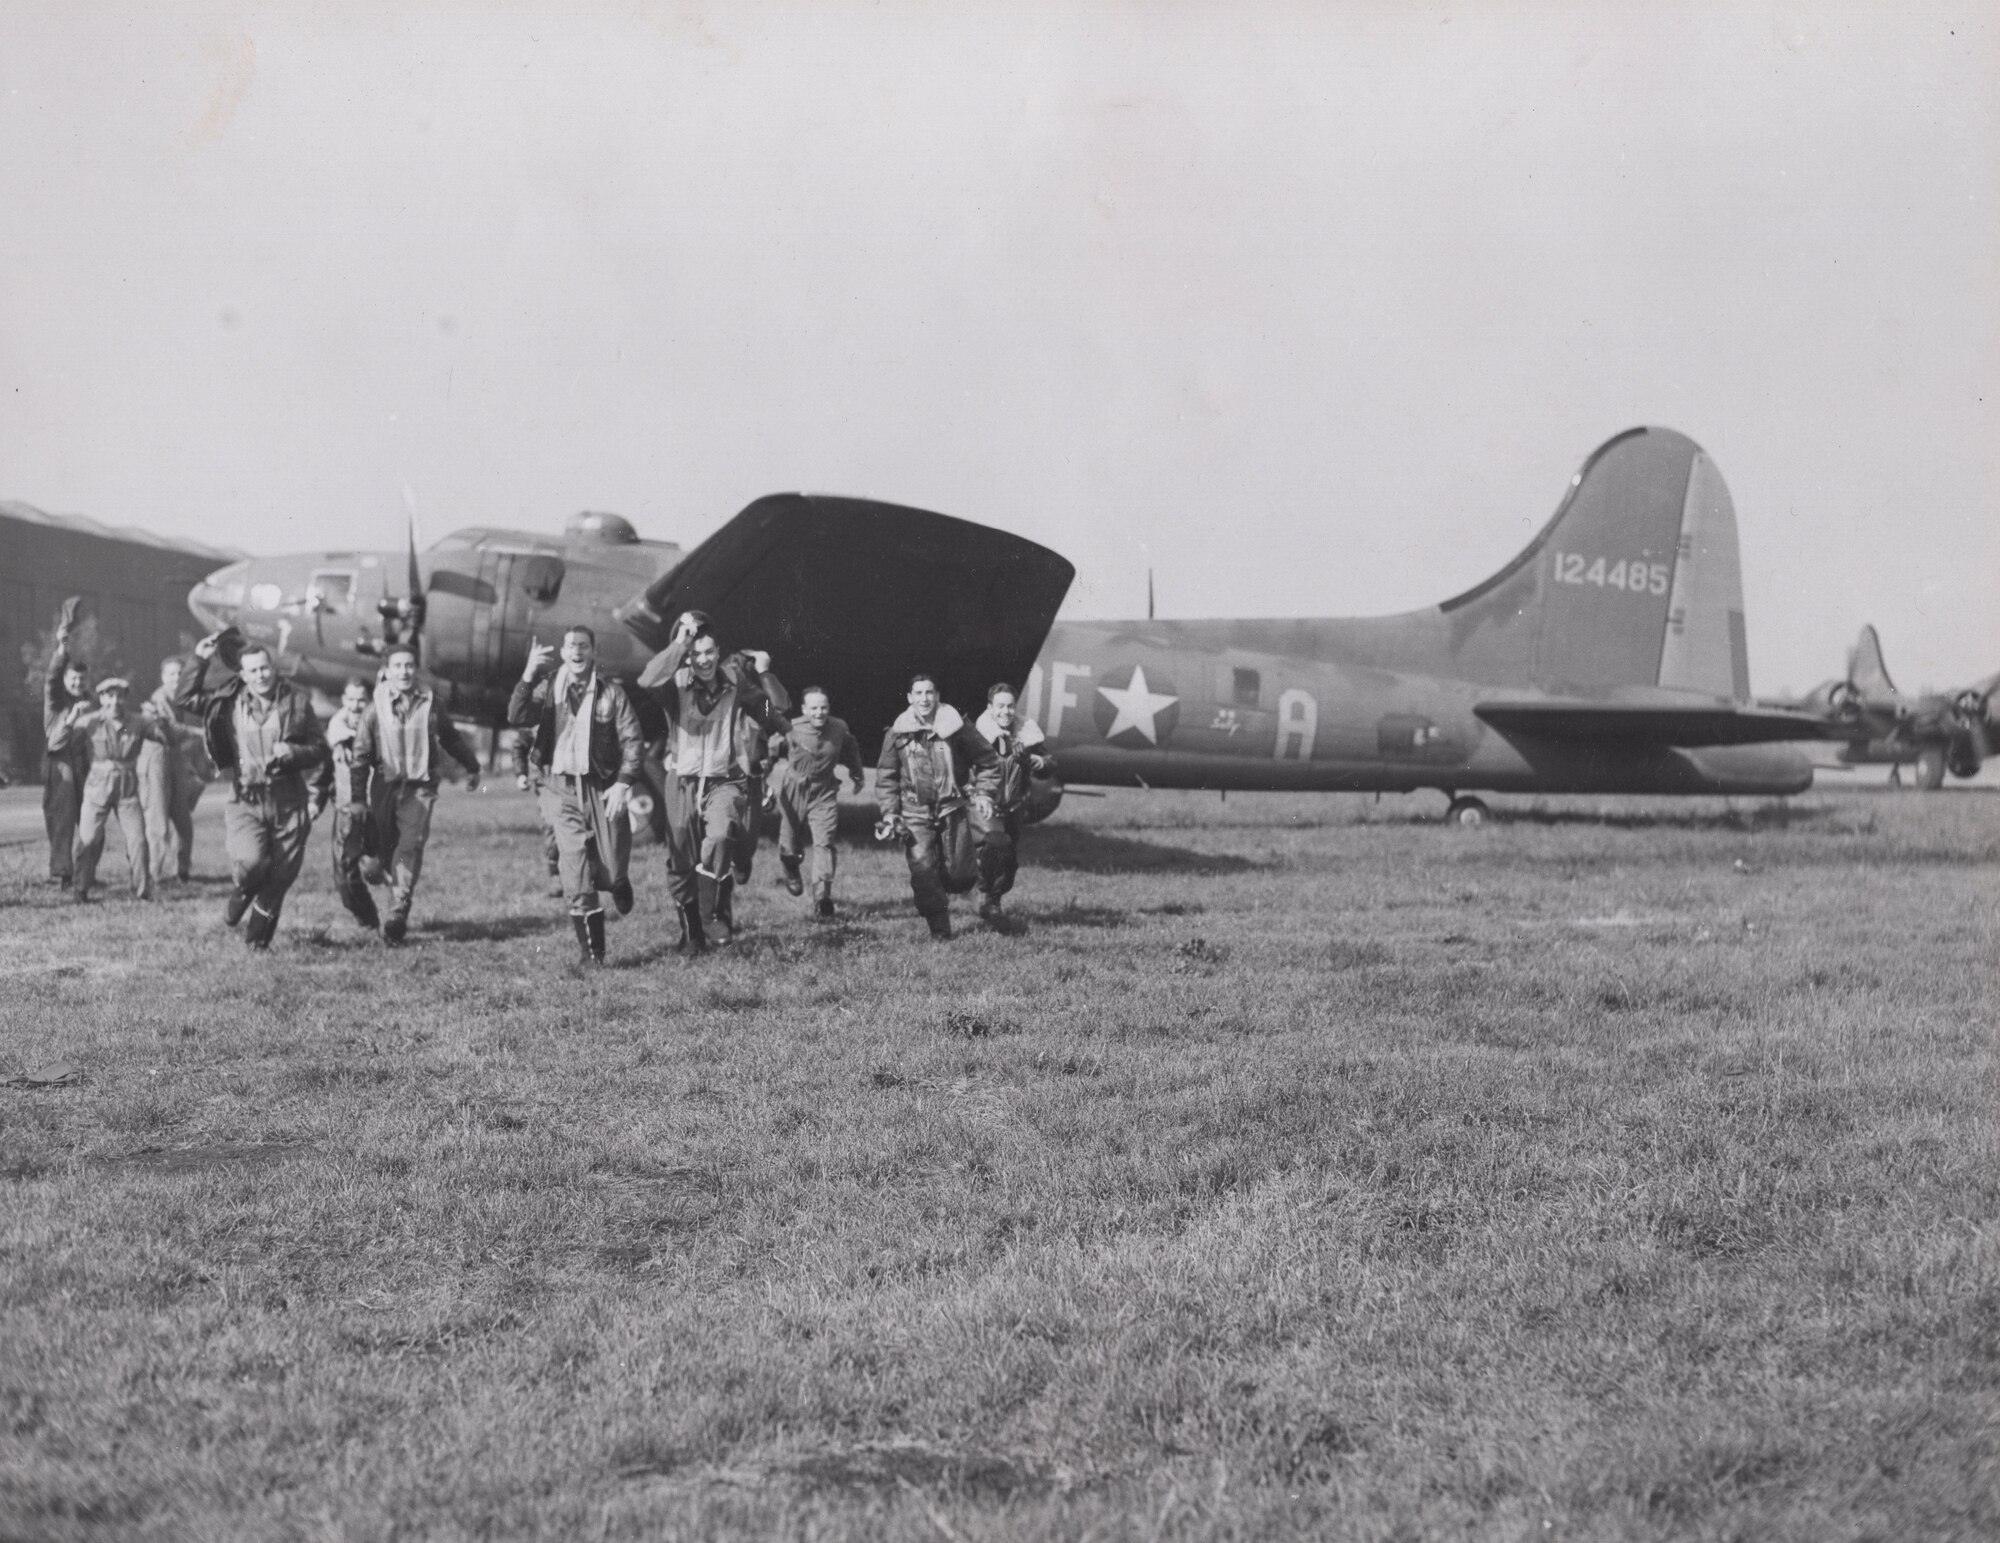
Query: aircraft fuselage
[[1188, 705]]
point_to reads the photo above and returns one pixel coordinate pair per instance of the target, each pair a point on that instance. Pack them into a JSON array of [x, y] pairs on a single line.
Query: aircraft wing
[[1646, 723], [855, 596]]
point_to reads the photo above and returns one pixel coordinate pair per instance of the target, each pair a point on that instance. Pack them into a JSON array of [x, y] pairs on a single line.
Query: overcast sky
[[1313, 308]]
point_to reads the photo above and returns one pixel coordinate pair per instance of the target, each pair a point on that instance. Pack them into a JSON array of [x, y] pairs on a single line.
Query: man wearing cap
[[111, 787], [65, 697], [261, 733], [718, 711], [349, 738], [933, 770], [411, 737], [172, 772], [589, 748], [1019, 743], [816, 750]]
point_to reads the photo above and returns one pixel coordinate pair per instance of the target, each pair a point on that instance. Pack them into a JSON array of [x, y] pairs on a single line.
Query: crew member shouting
[[719, 711], [1017, 740], [262, 734]]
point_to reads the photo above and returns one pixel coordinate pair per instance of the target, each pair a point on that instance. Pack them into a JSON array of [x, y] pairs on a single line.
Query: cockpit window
[[333, 591], [541, 579], [1248, 686]]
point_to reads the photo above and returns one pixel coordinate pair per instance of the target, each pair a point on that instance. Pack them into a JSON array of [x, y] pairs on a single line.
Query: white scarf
[[571, 757]]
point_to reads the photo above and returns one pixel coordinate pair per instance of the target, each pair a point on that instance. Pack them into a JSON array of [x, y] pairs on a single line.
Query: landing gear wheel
[[1466, 811], [1930, 768]]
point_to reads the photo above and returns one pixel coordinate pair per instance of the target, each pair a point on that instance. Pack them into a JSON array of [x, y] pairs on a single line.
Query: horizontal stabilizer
[[1637, 723]]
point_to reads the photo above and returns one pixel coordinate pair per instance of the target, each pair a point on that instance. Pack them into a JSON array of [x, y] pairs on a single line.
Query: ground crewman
[[718, 710], [412, 736], [588, 745], [1017, 740], [66, 754], [934, 773], [356, 865], [172, 773], [818, 747], [111, 787], [261, 733]]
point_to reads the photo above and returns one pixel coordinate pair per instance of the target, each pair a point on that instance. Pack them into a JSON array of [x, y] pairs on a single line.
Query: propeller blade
[[414, 576]]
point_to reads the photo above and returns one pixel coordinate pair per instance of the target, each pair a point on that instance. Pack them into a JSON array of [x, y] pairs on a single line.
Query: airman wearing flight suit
[[818, 746], [718, 711], [262, 734], [590, 751], [406, 738], [933, 770], [111, 787], [1017, 741], [355, 862]]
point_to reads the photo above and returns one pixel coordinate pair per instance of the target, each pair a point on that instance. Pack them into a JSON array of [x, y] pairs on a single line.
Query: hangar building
[[135, 584]]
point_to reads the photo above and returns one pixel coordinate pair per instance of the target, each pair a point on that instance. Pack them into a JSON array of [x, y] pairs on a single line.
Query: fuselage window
[[1249, 686], [333, 592]]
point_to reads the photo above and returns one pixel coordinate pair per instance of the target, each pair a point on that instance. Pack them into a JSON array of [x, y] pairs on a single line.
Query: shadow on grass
[[1075, 848], [1773, 816], [493, 929]]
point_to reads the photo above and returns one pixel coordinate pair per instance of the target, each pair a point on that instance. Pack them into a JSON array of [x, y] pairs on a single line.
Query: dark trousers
[[62, 802], [943, 861], [264, 830], [402, 831], [353, 843], [999, 839]]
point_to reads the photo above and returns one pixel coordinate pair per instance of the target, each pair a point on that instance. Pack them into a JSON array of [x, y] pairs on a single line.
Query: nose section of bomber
[[218, 600]]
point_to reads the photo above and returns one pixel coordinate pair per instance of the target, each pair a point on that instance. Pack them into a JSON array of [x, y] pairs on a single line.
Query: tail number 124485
[[1632, 575]]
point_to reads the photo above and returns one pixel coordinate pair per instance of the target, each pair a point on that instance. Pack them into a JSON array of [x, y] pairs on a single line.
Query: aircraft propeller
[[406, 614]]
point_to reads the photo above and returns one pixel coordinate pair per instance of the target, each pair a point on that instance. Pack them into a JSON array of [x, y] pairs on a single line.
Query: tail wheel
[[1930, 768], [1467, 812]]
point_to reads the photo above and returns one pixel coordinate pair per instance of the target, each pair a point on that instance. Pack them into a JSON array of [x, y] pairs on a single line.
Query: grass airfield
[[1291, 1167]]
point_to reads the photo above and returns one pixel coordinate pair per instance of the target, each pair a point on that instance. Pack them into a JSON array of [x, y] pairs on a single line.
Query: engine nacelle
[[1044, 798]]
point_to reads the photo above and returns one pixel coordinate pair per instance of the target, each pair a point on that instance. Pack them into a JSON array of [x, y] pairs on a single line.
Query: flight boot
[[589, 927], [259, 927], [989, 909], [621, 896], [693, 939], [238, 903], [823, 902], [795, 883], [395, 927], [940, 925]]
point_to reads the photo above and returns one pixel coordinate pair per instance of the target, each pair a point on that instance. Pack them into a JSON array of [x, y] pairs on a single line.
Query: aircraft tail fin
[[1635, 581], [1866, 672]]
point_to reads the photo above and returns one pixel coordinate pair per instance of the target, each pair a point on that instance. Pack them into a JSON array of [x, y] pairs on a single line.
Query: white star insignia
[[1137, 706]]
